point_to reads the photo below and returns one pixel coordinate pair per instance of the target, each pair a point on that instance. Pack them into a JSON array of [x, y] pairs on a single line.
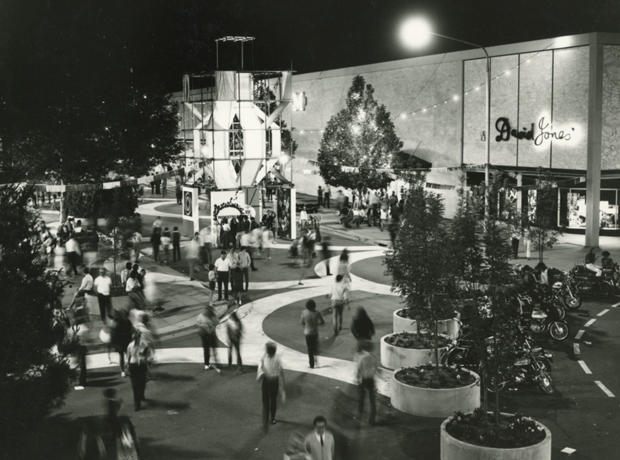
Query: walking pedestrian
[[139, 357], [236, 282], [303, 217], [326, 254], [327, 195], [165, 244], [72, 248], [311, 319], [121, 331], [103, 285], [367, 365], [320, 442], [267, 241], [193, 251], [178, 191], [212, 278], [245, 243], [320, 195], [244, 265], [156, 242], [271, 374], [343, 267], [222, 267], [86, 287], [207, 322], [339, 298], [235, 332], [176, 244], [362, 327]]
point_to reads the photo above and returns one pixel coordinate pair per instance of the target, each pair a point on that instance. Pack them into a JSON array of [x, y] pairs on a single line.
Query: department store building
[[555, 104]]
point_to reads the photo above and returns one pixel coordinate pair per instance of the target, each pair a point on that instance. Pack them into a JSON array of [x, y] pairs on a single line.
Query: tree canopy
[[75, 101], [33, 379], [361, 135]]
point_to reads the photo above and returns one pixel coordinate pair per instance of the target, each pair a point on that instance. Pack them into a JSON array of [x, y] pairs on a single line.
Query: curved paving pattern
[[255, 313]]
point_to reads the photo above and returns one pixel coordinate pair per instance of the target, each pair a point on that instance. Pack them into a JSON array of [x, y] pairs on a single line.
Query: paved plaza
[[193, 413]]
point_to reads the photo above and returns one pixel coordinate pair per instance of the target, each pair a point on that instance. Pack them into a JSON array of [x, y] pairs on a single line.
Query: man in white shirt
[[303, 217], [103, 285], [222, 267], [73, 252], [339, 297], [271, 372], [133, 289]]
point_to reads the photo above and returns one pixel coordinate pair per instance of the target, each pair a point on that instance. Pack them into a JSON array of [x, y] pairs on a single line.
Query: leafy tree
[[541, 221], [80, 109], [465, 240], [420, 262], [33, 379], [361, 135], [493, 321], [405, 165]]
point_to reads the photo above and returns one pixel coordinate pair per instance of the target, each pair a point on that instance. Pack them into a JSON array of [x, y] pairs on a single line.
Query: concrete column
[[595, 132]]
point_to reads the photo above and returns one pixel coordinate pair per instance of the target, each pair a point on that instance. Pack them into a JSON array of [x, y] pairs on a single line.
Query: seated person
[[590, 259], [606, 261]]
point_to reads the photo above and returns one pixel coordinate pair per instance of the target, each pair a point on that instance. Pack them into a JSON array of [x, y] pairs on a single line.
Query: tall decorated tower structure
[[238, 142]]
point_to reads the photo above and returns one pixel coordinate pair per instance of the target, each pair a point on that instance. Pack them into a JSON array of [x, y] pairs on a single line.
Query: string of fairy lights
[[403, 115]]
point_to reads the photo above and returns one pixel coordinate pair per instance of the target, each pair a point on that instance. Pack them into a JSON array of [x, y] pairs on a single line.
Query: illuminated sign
[[299, 102], [536, 133]]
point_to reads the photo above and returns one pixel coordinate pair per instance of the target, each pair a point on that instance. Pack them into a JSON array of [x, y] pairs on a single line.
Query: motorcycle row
[[542, 310]]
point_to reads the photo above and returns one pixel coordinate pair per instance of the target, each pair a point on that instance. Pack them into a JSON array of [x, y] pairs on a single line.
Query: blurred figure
[[206, 240], [193, 251], [271, 372], [112, 405], [339, 298], [236, 282], [235, 332], [207, 321], [327, 195], [139, 357], [165, 244], [176, 244], [156, 242], [311, 320], [267, 241], [125, 273], [90, 446], [127, 442], [362, 327], [320, 443], [245, 261], [367, 365], [326, 254], [295, 448], [151, 290], [121, 331], [343, 267], [86, 287]]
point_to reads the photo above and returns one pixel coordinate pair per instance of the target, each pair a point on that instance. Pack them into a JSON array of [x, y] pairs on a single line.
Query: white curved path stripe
[[254, 338]]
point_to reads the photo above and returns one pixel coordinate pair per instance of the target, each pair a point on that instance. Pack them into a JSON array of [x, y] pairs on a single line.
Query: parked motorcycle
[[580, 281], [463, 352], [527, 368], [541, 317]]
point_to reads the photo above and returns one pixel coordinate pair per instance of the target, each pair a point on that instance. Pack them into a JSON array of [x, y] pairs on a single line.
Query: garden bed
[[416, 341], [514, 431], [425, 377]]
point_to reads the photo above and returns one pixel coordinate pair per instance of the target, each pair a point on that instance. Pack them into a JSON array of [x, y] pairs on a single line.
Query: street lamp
[[416, 33]]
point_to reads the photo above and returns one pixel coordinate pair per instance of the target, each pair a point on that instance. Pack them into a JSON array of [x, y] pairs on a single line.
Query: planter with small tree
[[420, 265], [492, 328]]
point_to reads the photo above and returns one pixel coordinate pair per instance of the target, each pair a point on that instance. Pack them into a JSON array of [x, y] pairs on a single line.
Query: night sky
[[167, 38], [326, 34]]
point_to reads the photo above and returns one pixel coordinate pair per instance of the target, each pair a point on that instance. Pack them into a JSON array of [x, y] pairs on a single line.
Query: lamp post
[[416, 33]]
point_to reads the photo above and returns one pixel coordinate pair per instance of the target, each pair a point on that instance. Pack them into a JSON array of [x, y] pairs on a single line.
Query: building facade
[[555, 104]]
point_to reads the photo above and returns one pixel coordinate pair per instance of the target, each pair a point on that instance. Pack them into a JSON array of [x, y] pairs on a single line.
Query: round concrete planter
[[431, 402], [396, 357], [453, 449], [449, 327], [121, 302]]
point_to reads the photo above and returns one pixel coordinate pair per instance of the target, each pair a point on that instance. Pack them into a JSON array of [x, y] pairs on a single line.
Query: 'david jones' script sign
[[538, 133]]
